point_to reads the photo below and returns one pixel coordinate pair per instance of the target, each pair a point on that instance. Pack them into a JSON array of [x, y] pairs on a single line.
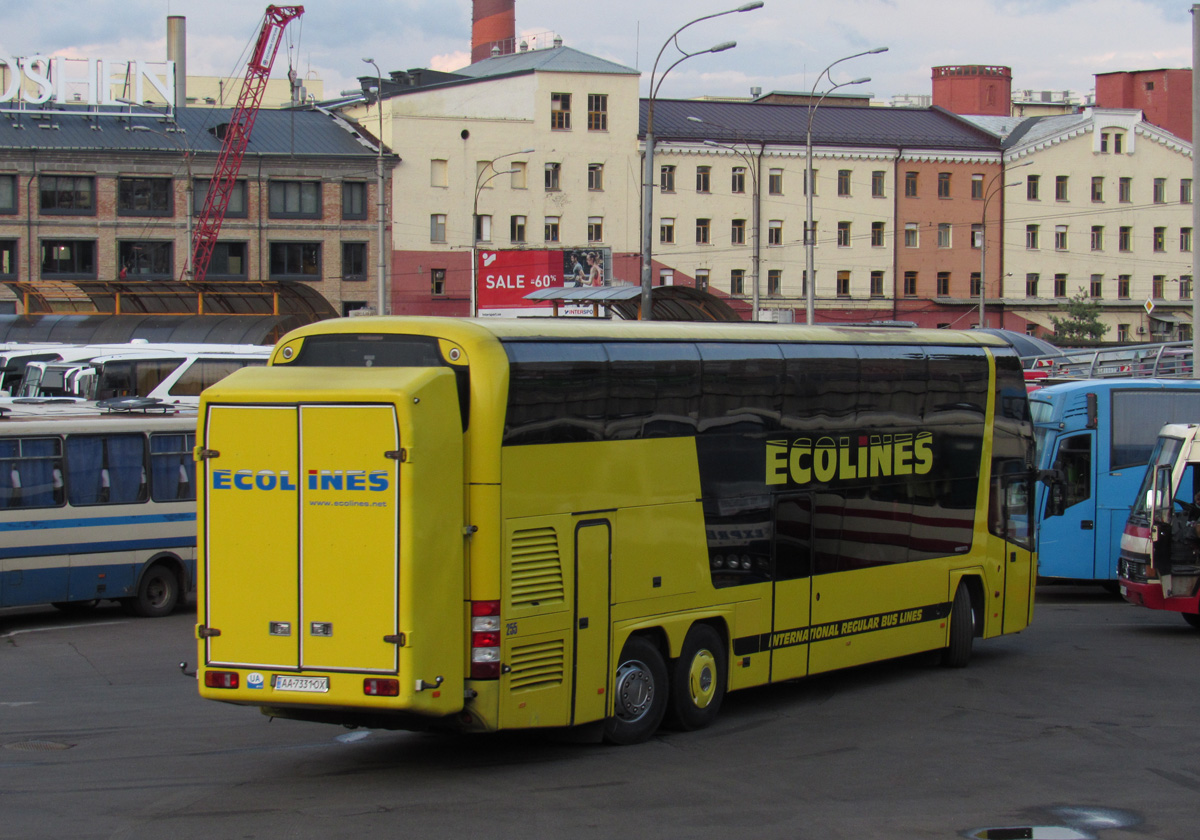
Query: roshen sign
[[38, 79]]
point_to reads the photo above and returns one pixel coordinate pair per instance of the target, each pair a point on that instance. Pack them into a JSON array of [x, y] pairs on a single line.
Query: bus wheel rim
[[635, 691], [702, 683]]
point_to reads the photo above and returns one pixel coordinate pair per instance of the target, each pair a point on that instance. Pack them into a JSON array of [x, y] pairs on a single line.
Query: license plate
[[1123, 590], [309, 684]]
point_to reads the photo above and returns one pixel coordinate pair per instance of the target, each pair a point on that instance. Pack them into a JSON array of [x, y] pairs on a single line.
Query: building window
[[1104, 135], [437, 227], [977, 186], [67, 194], [517, 172], [553, 176], [876, 284], [1060, 237], [1031, 285], [560, 110], [1124, 190], [1123, 282], [737, 232], [666, 231], [595, 177], [702, 279], [1185, 287], [843, 182], [666, 277], [1031, 187], [843, 234], [1185, 190], [912, 235], [976, 236], [943, 284], [943, 239], [910, 184], [597, 119], [483, 228], [8, 194], [295, 261], [295, 199], [910, 284], [1125, 238], [1122, 332], [1160, 240], [703, 178], [774, 282], [1097, 286], [516, 229], [775, 232], [437, 281], [1097, 237], [878, 182], [702, 231], [775, 181], [595, 230], [1160, 190], [943, 185], [1031, 237], [145, 197], [843, 284], [64, 259], [666, 179], [551, 228], [1060, 285], [976, 284], [354, 260], [1098, 188], [354, 200], [145, 260], [236, 209], [1185, 239], [8, 258], [1060, 188], [1157, 284], [228, 261], [439, 173], [1118, 142], [737, 281], [738, 179], [878, 233]]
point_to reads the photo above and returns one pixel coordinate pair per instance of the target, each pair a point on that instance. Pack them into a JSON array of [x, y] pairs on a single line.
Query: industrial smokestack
[[494, 23], [177, 52]]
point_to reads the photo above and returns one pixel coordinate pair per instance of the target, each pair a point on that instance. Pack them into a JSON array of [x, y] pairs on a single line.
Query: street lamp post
[[480, 183], [381, 261], [756, 215], [648, 169], [810, 278], [989, 192]]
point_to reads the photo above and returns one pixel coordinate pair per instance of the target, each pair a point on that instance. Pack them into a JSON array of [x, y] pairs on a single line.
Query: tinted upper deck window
[[369, 350]]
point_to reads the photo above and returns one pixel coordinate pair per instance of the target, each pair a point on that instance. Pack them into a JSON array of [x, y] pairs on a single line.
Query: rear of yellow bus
[[319, 555]]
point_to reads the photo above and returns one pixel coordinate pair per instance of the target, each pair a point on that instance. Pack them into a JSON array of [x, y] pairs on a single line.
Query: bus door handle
[[1087, 525]]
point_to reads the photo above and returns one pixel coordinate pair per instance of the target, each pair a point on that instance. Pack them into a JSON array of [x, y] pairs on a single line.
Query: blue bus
[[1097, 435], [97, 507]]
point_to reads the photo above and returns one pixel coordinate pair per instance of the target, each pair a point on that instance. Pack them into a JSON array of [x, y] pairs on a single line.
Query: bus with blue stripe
[[1095, 436], [97, 506]]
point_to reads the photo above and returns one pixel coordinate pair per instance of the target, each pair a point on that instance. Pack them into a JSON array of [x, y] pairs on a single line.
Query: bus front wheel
[[1193, 619], [158, 594], [962, 629], [698, 681], [639, 693]]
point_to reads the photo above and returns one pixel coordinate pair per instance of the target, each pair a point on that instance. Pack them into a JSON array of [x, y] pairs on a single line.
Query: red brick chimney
[[981, 90], [494, 23], [1164, 96]]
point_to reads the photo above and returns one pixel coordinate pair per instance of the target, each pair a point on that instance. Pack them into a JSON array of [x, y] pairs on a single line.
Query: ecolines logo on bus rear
[[804, 460], [351, 480]]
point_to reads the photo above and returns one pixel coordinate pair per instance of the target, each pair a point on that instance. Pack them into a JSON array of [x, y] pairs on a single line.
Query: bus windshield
[[1165, 452]]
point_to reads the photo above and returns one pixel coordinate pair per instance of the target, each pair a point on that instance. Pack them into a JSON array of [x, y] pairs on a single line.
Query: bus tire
[[698, 681], [962, 630], [639, 693], [1193, 619], [157, 596]]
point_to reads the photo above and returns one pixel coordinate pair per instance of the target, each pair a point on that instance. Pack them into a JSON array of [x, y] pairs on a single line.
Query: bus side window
[[1074, 462]]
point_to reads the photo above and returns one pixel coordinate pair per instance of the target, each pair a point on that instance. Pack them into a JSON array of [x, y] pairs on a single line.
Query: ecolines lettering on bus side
[[802, 461], [353, 480]]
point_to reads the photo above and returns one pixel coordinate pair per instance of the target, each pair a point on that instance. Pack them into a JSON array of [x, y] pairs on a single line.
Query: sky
[[1049, 44]]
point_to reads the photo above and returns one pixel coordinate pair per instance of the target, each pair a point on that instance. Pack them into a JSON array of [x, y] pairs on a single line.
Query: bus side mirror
[[1055, 481]]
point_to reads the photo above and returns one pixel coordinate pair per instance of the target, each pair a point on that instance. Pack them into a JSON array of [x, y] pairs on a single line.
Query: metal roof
[[556, 60], [303, 132], [918, 128], [668, 303], [117, 329]]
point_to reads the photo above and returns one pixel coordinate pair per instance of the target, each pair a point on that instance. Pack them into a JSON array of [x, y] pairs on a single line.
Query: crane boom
[[237, 137]]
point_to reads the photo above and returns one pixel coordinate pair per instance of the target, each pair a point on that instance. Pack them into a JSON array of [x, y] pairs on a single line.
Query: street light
[[648, 169], [479, 185], [810, 279], [381, 262], [988, 195], [756, 222]]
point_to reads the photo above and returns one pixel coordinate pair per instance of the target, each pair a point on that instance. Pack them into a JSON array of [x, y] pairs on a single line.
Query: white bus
[[97, 506]]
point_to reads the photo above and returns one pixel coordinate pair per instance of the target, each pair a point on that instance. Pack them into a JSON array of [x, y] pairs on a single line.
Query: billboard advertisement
[[504, 278]]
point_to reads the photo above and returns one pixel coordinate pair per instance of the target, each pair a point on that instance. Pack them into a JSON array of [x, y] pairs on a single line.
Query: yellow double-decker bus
[[483, 525]]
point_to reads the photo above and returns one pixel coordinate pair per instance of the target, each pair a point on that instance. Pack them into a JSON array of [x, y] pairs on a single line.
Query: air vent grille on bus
[[536, 568], [538, 665]]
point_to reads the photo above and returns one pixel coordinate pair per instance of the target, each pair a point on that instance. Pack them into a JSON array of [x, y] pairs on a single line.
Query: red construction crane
[[237, 136]]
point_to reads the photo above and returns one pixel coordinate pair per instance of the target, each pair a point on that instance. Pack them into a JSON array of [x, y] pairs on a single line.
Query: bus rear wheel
[[698, 681], [639, 693], [1193, 619], [962, 630], [158, 594]]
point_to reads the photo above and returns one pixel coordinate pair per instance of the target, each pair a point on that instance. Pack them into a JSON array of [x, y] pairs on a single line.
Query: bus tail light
[[381, 688], [485, 640], [221, 679]]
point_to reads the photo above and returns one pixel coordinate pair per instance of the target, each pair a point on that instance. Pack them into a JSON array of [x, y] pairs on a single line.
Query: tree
[[1081, 324]]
